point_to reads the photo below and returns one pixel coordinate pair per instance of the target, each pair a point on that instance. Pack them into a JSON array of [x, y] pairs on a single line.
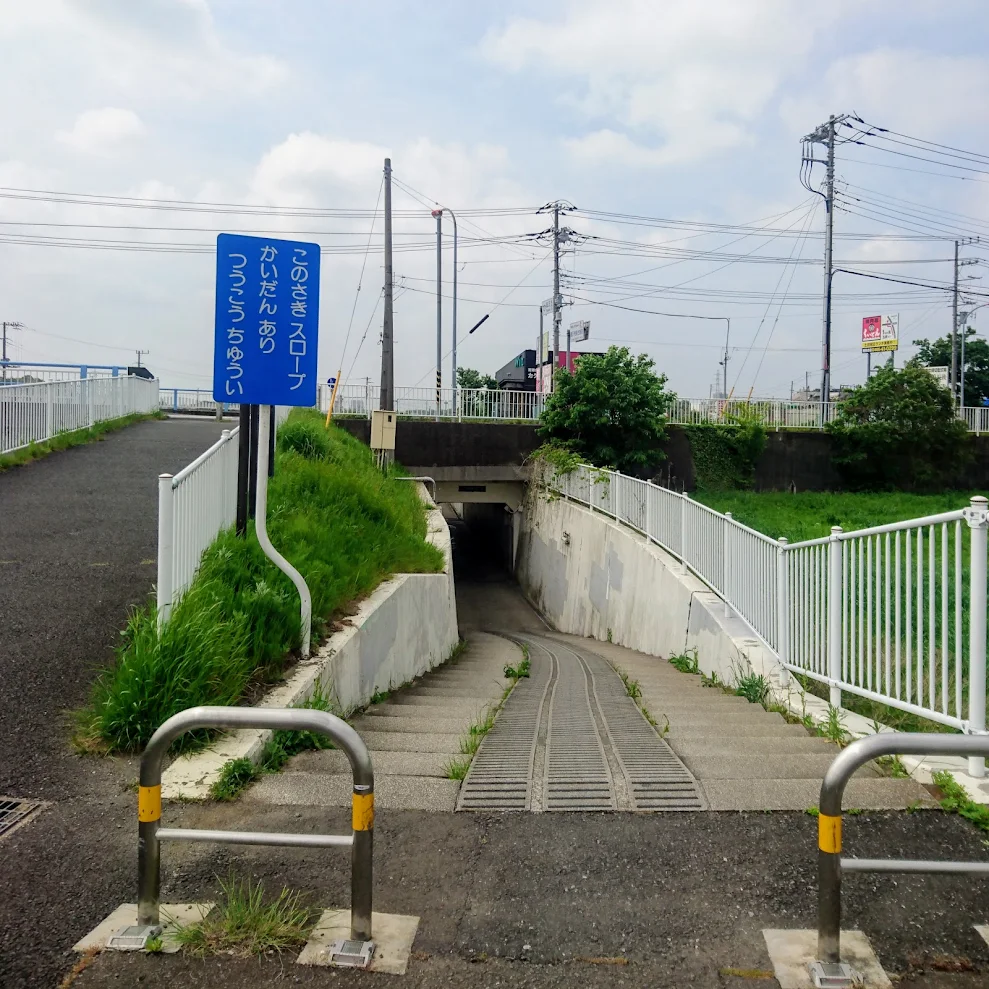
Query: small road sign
[[267, 320]]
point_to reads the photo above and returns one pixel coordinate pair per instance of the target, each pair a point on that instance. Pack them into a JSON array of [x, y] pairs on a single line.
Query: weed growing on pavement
[[67, 440], [237, 774], [245, 923], [154, 946], [754, 687], [521, 671], [833, 726], [335, 516], [893, 767], [471, 742], [456, 769], [686, 662], [955, 800], [632, 687]]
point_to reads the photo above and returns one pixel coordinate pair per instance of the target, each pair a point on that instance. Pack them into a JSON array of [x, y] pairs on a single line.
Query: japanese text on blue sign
[[267, 316]]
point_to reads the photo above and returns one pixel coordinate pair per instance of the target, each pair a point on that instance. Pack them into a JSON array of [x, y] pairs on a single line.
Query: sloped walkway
[[745, 758]]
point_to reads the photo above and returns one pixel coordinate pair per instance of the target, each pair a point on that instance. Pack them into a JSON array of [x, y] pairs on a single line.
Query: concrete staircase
[[744, 757], [412, 736]]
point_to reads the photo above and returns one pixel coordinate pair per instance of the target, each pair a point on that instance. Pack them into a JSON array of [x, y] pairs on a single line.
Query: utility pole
[[14, 326], [388, 327], [954, 330], [438, 213], [557, 314], [955, 375], [140, 354], [825, 134]]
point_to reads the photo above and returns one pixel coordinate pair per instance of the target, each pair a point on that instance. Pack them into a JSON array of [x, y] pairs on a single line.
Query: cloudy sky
[[679, 110]]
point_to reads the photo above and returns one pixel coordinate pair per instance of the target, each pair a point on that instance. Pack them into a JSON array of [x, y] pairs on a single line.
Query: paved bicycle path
[[78, 537]]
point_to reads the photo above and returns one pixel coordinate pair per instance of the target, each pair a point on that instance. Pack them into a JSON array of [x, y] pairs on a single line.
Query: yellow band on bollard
[[829, 833], [149, 803], [363, 811]]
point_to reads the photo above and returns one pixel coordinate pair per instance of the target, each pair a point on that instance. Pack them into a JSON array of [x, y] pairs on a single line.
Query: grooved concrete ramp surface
[[571, 738]]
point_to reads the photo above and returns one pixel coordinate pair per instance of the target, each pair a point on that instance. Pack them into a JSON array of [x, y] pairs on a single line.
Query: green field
[[810, 514]]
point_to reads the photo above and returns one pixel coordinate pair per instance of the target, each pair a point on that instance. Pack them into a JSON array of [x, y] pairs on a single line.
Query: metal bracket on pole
[[261, 527]]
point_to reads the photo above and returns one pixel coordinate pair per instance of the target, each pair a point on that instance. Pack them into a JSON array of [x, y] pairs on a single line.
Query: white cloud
[[103, 132], [685, 79], [918, 92]]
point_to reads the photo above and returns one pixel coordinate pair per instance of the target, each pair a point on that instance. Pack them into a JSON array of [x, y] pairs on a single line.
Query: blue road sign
[[267, 321]]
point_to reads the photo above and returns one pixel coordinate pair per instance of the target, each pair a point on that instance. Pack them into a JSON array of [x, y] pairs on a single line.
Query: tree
[[610, 411], [938, 354], [467, 377], [899, 431]]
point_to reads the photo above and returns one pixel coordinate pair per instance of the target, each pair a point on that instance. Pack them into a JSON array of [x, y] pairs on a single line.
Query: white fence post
[[683, 531], [834, 613], [976, 518], [782, 609], [724, 562], [648, 497], [166, 527]]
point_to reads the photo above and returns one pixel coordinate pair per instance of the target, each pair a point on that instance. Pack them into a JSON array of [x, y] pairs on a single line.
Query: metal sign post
[[266, 338]]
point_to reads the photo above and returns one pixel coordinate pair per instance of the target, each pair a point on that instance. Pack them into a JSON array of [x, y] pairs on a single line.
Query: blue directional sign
[[267, 320]]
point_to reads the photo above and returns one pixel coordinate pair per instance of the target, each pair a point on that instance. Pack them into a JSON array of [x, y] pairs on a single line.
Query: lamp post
[[438, 215]]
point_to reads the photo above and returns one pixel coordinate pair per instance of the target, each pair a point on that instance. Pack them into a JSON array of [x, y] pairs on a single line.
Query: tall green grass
[[810, 514], [333, 515]]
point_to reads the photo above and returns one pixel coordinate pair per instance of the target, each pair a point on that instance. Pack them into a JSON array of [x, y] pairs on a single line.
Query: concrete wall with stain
[[590, 576]]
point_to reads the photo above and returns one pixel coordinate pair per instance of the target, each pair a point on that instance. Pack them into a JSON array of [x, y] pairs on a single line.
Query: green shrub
[[337, 518], [899, 431]]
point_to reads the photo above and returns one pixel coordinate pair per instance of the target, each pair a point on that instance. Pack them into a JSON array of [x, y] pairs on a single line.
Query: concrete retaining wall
[[590, 576], [406, 627]]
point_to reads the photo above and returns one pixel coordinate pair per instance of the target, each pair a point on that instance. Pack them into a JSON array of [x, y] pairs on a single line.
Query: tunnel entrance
[[482, 537]]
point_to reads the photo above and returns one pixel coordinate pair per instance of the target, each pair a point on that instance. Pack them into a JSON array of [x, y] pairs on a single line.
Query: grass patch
[[471, 742], [335, 516], [632, 687], [810, 514], [71, 438], [955, 800], [245, 923], [521, 670]]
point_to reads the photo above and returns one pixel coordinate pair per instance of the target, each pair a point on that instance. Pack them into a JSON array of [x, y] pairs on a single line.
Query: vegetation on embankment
[[333, 515], [71, 438], [810, 514]]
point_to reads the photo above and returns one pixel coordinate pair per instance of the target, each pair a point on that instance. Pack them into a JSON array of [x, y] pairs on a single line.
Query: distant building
[[519, 374]]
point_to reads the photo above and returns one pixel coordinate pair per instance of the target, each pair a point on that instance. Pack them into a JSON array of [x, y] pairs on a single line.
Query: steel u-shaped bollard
[[151, 834], [831, 864]]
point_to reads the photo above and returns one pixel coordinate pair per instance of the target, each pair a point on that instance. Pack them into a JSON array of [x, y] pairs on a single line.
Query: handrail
[[830, 863], [150, 834], [423, 480], [225, 437]]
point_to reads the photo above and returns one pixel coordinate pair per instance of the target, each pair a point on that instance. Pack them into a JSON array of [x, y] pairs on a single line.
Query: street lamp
[[438, 214]]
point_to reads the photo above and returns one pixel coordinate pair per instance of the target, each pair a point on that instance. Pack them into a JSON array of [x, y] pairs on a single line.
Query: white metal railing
[[37, 412], [194, 506], [192, 400], [895, 613], [362, 398]]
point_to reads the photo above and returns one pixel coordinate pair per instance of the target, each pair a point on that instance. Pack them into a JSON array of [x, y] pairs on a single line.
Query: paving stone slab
[[766, 767], [865, 794], [323, 790]]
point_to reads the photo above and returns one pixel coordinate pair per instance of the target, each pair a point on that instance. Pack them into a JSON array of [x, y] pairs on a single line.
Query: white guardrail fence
[[37, 412], [360, 399], [894, 613], [194, 506]]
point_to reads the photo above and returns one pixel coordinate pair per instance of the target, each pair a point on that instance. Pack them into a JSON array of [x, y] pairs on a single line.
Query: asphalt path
[[78, 537]]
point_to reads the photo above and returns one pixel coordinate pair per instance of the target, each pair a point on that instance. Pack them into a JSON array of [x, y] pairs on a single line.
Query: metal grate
[[14, 813], [571, 739]]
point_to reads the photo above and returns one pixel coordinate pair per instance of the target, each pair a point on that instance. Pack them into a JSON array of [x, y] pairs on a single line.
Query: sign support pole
[[261, 527]]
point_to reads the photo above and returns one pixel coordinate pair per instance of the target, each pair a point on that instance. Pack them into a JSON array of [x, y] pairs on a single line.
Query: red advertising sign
[[872, 328]]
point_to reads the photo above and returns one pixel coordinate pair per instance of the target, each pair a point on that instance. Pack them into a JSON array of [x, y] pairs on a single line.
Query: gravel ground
[[78, 537]]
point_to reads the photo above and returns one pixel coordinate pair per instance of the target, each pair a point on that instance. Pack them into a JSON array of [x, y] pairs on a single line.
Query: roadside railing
[[194, 506], [38, 412], [831, 864], [894, 613], [192, 400], [151, 834]]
